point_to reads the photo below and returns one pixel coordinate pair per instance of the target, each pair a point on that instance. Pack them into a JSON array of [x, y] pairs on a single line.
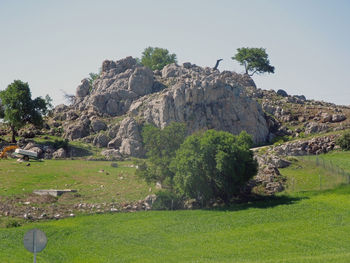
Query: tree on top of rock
[[19, 108], [254, 60], [157, 58]]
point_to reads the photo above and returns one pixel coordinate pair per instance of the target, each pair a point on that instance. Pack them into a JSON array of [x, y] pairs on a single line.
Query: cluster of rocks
[[317, 145], [203, 98], [47, 207], [44, 151], [271, 158]]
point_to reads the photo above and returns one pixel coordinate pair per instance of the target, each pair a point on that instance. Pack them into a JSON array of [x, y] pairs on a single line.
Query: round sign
[[35, 240]]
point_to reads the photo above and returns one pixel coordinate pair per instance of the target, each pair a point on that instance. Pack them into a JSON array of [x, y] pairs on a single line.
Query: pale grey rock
[[112, 155], [113, 131], [98, 125], [101, 140], [130, 147], [59, 154], [141, 81], [115, 143], [338, 117], [77, 131], [206, 104], [326, 117], [83, 89], [38, 150], [314, 127], [171, 70]]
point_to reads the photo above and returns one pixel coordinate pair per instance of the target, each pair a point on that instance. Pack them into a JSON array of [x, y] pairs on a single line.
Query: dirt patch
[[40, 199]]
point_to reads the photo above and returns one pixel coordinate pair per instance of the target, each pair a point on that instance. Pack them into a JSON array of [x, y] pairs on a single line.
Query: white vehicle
[[25, 155]]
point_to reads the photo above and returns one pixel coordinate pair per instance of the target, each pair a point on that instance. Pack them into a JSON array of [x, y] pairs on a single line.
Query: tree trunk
[[13, 131]]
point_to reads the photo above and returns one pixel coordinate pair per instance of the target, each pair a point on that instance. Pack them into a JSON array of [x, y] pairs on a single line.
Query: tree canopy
[[157, 58], [18, 107], [213, 164], [161, 145], [254, 60]]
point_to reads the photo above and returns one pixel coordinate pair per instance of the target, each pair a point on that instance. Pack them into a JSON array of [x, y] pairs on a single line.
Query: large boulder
[[338, 117], [59, 154], [77, 130], [282, 93], [204, 102], [83, 89], [112, 155], [141, 81], [101, 140], [98, 125], [128, 140]]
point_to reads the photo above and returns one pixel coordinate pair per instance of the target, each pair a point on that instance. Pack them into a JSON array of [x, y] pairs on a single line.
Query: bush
[[157, 58], [161, 146], [12, 223], [166, 200], [214, 164], [344, 141], [61, 144]]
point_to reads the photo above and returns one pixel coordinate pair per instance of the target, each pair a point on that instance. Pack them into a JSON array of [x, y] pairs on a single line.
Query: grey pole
[[34, 245]]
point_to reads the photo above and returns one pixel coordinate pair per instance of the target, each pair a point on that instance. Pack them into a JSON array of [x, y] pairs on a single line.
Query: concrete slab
[[54, 192]]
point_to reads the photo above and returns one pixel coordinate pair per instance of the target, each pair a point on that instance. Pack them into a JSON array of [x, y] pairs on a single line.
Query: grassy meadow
[[300, 225], [96, 181]]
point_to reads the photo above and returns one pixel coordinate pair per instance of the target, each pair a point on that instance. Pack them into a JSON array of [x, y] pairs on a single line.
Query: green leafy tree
[[157, 58], [213, 164], [161, 145], [19, 109], [344, 141], [93, 76], [254, 60]]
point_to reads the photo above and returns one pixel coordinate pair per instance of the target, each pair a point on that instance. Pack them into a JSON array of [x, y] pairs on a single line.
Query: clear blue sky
[[52, 45]]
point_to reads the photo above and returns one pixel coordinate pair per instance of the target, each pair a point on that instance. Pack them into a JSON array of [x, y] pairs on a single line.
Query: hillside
[[104, 121]]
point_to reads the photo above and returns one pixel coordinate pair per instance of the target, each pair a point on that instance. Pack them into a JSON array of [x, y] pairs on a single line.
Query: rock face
[[203, 98]]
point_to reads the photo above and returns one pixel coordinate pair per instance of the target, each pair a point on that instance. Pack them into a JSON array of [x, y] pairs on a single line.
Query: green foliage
[[160, 146], [157, 58], [61, 144], [166, 200], [13, 223], [254, 60], [214, 164], [280, 139], [92, 77], [344, 141], [19, 108]]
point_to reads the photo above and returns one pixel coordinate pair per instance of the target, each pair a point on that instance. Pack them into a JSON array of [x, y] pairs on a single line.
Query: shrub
[[157, 58], [344, 141], [161, 146], [166, 200], [13, 223], [213, 164], [60, 144]]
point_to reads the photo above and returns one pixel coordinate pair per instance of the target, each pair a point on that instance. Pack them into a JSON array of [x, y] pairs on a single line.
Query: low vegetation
[[309, 227]]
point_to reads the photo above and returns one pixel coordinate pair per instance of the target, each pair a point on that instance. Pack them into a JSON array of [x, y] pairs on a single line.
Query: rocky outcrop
[[316, 145], [203, 99], [128, 140]]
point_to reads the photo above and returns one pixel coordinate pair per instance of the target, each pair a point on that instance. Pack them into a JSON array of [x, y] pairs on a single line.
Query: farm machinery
[[23, 154], [3, 154]]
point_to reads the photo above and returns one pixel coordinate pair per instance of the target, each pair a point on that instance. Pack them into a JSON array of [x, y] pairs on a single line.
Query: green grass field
[[94, 185], [304, 225], [312, 227], [321, 172]]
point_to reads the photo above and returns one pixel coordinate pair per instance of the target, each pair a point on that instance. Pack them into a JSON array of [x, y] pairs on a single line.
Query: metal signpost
[[35, 241]]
